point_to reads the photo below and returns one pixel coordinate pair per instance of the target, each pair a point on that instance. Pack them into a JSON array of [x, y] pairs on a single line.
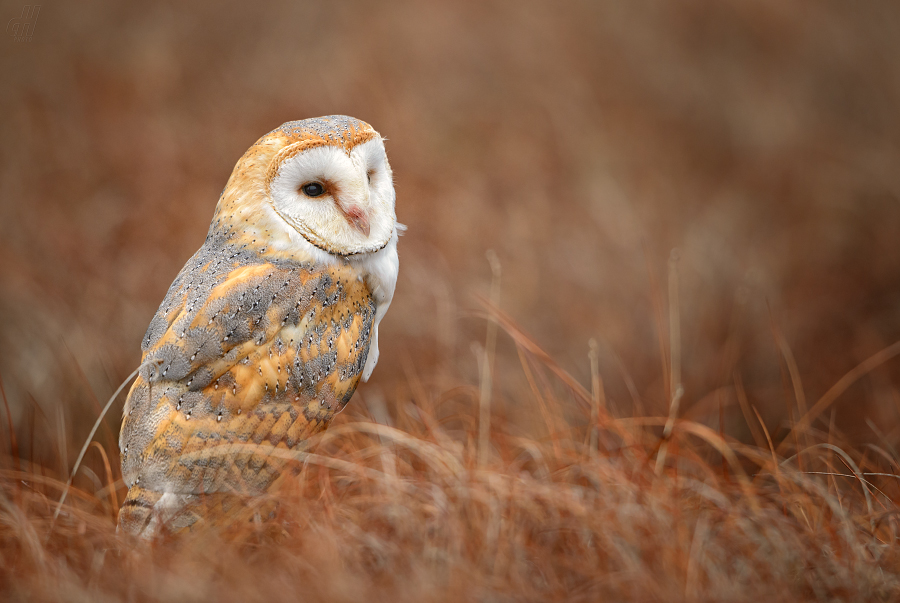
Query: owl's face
[[319, 189], [337, 193]]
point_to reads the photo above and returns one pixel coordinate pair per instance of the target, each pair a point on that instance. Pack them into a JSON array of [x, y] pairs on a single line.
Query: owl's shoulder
[[230, 297]]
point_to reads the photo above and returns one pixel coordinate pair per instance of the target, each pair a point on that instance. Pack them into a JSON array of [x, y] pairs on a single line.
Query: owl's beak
[[357, 218]]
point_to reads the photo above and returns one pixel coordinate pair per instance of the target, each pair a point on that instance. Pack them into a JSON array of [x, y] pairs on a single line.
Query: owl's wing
[[243, 356]]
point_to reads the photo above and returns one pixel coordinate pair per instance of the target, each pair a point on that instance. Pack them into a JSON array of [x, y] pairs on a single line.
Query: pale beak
[[357, 218]]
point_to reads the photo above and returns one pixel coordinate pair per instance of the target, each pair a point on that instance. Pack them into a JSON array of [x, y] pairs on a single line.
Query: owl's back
[[245, 356]]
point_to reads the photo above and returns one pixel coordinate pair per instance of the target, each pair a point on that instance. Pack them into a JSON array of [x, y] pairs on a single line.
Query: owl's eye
[[313, 189]]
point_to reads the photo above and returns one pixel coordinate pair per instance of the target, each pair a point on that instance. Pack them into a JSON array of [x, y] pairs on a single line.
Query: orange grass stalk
[[388, 514]]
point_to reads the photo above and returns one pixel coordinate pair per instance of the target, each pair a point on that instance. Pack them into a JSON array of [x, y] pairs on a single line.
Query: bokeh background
[[582, 141]]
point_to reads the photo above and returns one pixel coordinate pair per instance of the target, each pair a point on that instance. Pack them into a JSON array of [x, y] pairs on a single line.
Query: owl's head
[[327, 178]]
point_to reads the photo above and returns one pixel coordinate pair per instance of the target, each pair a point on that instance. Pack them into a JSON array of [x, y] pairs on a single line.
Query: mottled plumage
[[267, 330]]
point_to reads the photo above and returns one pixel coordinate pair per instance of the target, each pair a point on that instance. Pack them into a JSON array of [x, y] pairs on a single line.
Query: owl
[[267, 330]]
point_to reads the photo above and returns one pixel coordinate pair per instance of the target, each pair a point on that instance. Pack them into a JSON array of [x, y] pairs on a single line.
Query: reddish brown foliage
[[582, 142]]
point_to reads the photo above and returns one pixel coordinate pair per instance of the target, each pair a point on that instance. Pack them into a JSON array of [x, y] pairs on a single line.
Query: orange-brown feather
[[242, 352]]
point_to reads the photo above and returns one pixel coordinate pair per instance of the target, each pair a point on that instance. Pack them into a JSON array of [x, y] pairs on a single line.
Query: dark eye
[[369, 174], [313, 189]]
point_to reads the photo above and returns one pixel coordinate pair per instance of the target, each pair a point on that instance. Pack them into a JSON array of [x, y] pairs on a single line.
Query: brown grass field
[[643, 346]]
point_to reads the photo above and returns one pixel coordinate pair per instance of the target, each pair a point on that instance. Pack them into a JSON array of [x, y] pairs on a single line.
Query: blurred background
[[582, 141]]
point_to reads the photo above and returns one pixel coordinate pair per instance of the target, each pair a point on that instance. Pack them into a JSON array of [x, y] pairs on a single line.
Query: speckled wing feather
[[245, 355]]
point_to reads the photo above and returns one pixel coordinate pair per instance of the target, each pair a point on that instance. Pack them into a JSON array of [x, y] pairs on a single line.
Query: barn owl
[[266, 331]]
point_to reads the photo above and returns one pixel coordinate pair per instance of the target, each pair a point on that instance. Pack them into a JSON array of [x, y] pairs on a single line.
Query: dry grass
[[401, 508], [580, 140]]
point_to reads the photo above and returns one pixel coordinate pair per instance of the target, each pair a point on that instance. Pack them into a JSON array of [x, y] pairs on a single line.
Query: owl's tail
[[137, 511], [146, 513]]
